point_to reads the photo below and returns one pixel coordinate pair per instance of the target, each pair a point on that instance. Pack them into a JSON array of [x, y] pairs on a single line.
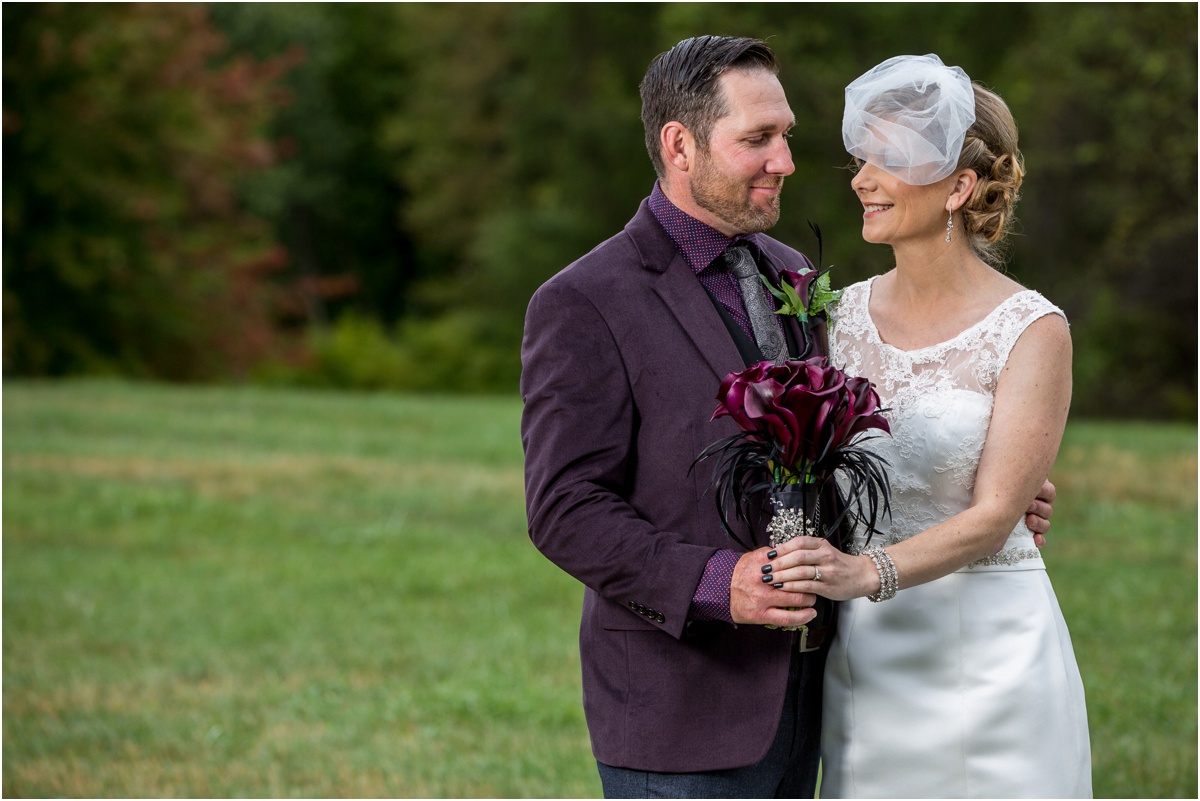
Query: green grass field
[[245, 592]]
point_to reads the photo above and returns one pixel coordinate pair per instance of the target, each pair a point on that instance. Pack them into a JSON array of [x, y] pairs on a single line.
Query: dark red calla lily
[[801, 282], [808, 408]]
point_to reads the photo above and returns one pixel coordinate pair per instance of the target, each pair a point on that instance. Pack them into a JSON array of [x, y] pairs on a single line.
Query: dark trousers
[[789, 770]]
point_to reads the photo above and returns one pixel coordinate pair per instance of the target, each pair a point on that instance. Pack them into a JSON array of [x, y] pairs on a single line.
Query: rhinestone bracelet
[[889, 580]]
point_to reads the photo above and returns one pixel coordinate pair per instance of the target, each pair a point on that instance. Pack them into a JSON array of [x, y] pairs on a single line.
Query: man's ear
[[678, 146]]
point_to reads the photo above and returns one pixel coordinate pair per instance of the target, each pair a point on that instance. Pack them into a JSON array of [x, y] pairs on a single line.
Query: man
[[686, 692]]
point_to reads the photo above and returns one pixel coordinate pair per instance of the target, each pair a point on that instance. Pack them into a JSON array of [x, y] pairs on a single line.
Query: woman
[[952, 673]]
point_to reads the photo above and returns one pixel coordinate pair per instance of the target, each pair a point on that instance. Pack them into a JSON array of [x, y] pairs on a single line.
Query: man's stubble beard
[[729, 201]]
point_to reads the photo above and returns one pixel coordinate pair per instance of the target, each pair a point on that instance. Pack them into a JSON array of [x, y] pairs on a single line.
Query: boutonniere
[[808, 292]]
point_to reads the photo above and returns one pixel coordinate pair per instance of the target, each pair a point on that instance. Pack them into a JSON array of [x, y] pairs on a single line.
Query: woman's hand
[[812, 565]]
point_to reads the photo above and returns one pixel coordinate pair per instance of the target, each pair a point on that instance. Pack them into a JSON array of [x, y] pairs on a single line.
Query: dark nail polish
[[766, 569], [772, 554], [778, 586], [767, 579]]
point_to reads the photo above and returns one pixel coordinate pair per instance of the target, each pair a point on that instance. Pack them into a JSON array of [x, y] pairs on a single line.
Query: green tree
[[1107, 104], [126, 130], [334, 201], [520, 146]]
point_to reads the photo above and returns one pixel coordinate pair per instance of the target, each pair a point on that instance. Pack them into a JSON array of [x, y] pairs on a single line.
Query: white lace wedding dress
[[967, 686]]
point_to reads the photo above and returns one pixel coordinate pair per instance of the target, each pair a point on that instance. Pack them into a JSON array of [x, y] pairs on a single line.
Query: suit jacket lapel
[[672, 279], [684, 296]]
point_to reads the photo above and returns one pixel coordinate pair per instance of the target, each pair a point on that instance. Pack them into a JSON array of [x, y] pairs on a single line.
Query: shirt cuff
[[711, 599]]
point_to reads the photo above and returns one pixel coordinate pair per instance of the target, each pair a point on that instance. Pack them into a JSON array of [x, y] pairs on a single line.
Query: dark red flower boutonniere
[[808, 292]]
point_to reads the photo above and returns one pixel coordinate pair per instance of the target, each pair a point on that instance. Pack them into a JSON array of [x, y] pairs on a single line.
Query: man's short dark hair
[[682, 84]]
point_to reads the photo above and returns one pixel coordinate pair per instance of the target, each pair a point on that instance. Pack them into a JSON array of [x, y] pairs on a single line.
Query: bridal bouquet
[[801, 424]]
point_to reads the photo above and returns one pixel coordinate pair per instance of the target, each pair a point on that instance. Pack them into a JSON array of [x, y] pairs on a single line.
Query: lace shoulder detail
[[971, 360], [993, 338], [1016, 314]]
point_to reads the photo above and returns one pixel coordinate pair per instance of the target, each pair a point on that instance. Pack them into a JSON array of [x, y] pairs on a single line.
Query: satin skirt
[[965, 687]]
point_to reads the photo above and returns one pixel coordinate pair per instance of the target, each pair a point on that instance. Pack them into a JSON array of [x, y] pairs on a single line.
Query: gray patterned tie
[[762, 316]]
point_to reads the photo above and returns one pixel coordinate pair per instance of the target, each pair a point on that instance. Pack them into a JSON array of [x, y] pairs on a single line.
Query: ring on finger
[[817, 574]]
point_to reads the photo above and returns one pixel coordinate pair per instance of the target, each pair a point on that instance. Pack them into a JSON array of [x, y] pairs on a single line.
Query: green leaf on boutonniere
[[803, 294], [823, 294], [807, 292], [789, 298]]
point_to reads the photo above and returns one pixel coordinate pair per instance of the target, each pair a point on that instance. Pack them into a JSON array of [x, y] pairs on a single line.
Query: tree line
[[366, 195]]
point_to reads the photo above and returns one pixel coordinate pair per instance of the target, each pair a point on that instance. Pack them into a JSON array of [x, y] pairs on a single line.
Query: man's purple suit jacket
[[622, 357]]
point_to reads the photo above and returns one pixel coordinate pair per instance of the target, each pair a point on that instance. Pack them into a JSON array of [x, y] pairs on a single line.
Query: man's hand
[[1037, 517], [754, 601]]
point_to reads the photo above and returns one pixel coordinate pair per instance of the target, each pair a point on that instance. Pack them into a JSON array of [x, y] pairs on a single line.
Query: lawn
[[264, 593]]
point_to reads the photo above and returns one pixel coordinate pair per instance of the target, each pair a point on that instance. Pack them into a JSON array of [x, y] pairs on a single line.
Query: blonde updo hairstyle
[[990, 149]]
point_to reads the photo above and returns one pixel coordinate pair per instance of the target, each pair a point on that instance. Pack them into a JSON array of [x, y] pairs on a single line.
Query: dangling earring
[[949, 226]]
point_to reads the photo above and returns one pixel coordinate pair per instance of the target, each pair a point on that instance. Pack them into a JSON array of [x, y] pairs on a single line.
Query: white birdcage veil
[[909, 116]]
